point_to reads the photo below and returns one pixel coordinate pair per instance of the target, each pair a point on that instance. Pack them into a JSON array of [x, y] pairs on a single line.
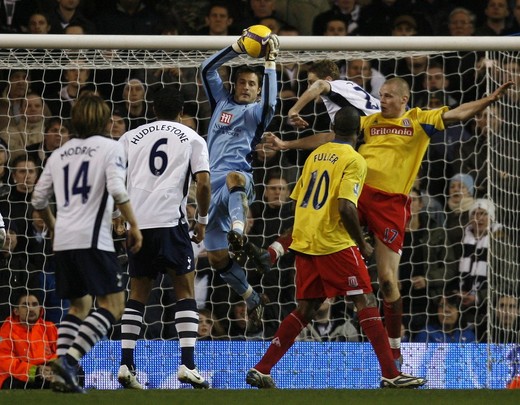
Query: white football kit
[[162, 157], [86, 176], [344, 93]]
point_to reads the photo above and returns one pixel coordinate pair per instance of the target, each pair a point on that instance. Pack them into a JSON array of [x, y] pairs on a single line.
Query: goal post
[[486, 148]]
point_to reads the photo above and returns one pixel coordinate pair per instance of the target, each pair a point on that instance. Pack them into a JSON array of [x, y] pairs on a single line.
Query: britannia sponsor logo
[[391, 130]]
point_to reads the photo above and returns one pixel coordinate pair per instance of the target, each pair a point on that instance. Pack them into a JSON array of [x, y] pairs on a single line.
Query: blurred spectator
[[258, 9], [404, 25], [377, 18], [16, 272], [360, 71], [30, 129], [496, 22], [273, 23], [434, 13], [336, 26], [39, 23], [129, 17], [218, 20], [443, 158], [347, 9], [66, 13], [449, 325], [134, 105], [56, 134], [327, 326], [507, 319], [301, 13], [487, 124], [74, 81], [15, 92], [117, 125], [473, 265], [427, 261], [515, 26], [434, 80], [4, 172], [461, 22], [460, 200], [209, 327], [76, 29], [24, 174], [266, 161], [28, 345]]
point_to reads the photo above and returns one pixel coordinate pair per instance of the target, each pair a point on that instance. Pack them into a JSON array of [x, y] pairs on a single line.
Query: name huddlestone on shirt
[[164, 128]]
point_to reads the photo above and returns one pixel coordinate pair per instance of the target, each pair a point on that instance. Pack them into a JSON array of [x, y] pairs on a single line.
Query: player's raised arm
[[468, 110], [318, 88], [271, 141]]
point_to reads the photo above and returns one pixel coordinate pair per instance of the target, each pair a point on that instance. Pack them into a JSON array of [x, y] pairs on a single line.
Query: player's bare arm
[[468, 110], [350, 219], [318, 88], [203, 197], [48, 218], [135, 238], [309, 142]]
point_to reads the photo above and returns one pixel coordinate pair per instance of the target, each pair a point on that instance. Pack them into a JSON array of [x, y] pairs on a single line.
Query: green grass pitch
[[263, 397]]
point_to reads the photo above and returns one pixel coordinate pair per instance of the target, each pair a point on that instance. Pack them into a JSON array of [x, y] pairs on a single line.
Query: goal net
[[449, 271]]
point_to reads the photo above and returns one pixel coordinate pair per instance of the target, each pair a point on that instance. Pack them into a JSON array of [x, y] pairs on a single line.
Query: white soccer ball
[[255, 40]]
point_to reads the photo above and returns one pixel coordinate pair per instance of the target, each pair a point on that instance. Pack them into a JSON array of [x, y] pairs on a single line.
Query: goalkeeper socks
[[237, 206], [131, 323], [93, 328], [187, 325], [393, 319], [67, 332], [235, 277], [284, 338], [372, 326]]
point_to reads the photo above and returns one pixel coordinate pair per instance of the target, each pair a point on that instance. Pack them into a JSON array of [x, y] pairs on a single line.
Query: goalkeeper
[[237, 123], [394, 142]]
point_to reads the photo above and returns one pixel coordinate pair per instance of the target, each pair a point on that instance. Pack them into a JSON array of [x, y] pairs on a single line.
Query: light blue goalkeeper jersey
[[235, 129]]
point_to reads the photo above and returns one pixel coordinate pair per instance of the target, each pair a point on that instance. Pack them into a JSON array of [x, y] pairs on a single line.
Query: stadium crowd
[[443, 274]]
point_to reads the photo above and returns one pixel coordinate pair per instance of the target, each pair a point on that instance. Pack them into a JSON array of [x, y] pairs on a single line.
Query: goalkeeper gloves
[[238, 46], [273, 48]]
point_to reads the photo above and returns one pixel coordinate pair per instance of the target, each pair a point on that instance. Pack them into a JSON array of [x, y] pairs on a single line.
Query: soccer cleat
[[254, 315], [185, 375], [259, 257], [236, 241], [403, 381], [256, 379], [128, 379], [67, 379]]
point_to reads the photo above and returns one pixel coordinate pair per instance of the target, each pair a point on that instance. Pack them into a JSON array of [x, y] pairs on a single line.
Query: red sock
[[370, 322], [393, 319], [279, 247], [290, 327]]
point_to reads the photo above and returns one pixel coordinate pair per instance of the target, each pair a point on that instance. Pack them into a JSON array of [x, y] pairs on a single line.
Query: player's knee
[[387, 287], [235, 179]]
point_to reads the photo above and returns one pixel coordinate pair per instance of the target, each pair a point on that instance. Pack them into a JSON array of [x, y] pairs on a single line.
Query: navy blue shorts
[[163, 249], [81, 272]]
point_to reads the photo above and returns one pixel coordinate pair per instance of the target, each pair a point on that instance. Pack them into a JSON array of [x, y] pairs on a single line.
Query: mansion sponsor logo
[[391, 130]]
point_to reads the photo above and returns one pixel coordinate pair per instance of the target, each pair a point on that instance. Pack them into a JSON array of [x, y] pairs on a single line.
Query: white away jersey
[[162, 156], [346, 93], [83, 174]]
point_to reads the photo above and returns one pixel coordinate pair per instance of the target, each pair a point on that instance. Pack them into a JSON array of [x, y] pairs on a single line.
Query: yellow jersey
[[394, 147], [334, 170]]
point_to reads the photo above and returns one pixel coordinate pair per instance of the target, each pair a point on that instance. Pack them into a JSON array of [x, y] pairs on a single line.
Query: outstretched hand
[[271, 141], [296, 120], [498, 93], [238, 46]]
